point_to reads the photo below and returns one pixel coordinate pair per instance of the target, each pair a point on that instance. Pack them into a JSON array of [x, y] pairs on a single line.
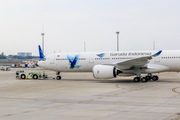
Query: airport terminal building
[[24, 54]]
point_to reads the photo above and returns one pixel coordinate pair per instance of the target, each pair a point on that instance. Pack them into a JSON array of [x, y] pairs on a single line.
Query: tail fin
[[41, 53], [22, 60]]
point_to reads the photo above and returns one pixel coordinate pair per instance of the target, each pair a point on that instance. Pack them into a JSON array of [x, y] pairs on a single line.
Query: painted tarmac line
[[117, 86], [174, 90], [9, 115], [27, 111], [81, 102], [100, 97], [176, 118], [58, 106], [108, 95]]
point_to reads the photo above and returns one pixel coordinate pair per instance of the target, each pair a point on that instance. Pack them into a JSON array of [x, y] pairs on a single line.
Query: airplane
[[5, 68], [107, 65]]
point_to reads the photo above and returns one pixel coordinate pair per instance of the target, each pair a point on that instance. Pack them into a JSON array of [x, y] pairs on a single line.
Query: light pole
[[42, 42], [117, 40], [84, 46], [153, 45]]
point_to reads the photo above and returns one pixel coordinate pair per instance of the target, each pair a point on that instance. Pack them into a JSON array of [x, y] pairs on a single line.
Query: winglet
[[157, 54], [41, 53]]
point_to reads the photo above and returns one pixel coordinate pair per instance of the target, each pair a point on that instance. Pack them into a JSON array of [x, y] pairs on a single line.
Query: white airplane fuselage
[[168, 60]]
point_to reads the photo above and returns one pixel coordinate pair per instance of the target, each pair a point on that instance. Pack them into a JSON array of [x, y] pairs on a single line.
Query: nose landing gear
[[58, 77]]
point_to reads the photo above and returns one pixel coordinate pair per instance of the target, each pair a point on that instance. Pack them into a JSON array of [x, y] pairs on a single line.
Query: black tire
[[46, 76], [143, 79], [148, 78], [23, 76], [35, 76], [58, 78], [137, 79], [155, 78]]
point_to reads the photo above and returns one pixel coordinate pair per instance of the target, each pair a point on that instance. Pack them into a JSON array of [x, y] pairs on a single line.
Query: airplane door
[[91, 58], [52, 59]]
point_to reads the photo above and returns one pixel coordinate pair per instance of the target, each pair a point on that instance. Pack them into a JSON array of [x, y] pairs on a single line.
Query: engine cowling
[[105, 72]]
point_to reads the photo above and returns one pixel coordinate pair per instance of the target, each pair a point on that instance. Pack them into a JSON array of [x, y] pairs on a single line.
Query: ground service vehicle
[[22, 75]]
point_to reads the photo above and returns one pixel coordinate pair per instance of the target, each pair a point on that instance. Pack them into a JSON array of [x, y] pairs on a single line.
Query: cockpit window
[[44, 59]]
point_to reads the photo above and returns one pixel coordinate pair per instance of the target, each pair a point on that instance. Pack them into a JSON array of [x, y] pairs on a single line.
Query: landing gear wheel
[[155, 78], [23, 76], [144, 79], [148, 78], [35, 76], [137, 79], [58, 77]]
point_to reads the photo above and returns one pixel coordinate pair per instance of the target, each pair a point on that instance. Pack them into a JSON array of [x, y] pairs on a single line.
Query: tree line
[[18, 57]]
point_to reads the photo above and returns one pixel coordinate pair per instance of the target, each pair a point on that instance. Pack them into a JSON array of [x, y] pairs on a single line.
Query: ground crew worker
[[43, 74], [40, 74]]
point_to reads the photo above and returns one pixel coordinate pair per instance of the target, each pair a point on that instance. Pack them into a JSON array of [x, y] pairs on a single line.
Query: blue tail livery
[[41, 55], [22, 60]]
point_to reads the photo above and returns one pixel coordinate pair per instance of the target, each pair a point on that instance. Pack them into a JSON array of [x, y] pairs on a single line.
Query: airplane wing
[[137, 62]]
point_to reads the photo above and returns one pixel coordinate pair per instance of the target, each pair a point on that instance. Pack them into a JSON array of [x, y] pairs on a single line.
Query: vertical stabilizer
[[22, 60], [41, 55]]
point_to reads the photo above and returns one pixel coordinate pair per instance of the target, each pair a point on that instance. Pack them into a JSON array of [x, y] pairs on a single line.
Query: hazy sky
[[68, 23]]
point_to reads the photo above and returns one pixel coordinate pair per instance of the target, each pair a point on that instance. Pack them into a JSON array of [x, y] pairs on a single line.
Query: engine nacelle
[[105, 71]]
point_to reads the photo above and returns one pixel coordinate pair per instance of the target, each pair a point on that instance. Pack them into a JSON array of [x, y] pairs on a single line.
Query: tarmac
[[78, 96]]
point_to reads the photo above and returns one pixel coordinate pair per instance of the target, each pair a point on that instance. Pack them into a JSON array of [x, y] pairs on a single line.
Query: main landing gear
[[58, 77], [146, 78]]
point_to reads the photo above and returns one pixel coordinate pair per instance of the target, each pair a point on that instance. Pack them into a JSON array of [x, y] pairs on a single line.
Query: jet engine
[[105, 71]]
